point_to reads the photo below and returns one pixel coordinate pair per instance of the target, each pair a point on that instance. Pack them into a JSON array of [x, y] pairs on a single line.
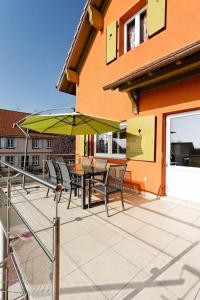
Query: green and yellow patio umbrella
[[74, 123]]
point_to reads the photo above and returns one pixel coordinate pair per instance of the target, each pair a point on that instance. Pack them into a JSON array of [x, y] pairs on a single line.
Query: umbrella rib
[[51, 125], [100, 122], [107, 124], [90, 126], [48, 118], [64, 121], [96, 120], [59, 121], [83, 120], [36, 121]]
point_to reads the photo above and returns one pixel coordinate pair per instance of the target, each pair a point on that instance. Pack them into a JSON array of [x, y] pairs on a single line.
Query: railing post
[[56, 248], [43, 168], [8, 212], [56, 263], [3, 268], [6, 249]]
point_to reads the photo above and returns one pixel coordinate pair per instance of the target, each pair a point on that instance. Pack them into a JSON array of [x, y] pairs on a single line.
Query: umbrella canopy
[[69, 124]]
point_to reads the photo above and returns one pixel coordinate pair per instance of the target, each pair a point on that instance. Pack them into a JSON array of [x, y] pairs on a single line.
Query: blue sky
[[35, 36]]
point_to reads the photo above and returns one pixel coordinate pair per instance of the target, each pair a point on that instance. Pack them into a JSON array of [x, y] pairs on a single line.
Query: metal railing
[[54, 257], [68, 158]]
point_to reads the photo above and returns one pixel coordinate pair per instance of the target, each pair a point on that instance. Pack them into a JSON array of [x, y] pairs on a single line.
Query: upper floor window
[[35, 143], [135, 30], [111, 144], [10, 160], [35, 160], [49, 144], [10, 143]]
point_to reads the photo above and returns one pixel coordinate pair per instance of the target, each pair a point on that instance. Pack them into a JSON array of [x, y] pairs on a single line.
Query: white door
[[183, 156]]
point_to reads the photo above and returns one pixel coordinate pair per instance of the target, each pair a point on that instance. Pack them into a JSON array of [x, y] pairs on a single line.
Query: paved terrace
[[149, 251]]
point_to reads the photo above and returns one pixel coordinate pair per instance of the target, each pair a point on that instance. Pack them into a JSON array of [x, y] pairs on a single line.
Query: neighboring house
[[12, 143], [139, 61]]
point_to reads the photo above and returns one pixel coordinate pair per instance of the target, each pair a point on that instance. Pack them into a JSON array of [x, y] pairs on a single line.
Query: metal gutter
[[162, 62]]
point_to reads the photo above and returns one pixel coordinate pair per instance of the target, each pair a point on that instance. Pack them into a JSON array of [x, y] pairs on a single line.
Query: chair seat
[[76, 184], [106, 189]]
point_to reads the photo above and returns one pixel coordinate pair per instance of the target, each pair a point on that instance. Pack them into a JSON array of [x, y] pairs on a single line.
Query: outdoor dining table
[[85, 173]]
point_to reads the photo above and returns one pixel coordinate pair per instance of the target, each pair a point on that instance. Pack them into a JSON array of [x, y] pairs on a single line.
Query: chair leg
[[89, 194], [47, 194], [106, 205], [70, 196], [60, 196], [122, 200], [54, 199]]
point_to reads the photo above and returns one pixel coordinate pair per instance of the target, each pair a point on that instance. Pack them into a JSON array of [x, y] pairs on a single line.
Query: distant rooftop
[[10, 117]]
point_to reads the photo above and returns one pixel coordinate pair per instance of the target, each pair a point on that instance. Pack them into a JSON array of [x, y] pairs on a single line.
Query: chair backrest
[[64, 174], [52, 171], [86, 161], [115, 176], [100, 163]]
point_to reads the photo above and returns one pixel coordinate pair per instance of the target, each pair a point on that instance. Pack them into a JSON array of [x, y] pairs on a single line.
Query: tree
[[64, 144]]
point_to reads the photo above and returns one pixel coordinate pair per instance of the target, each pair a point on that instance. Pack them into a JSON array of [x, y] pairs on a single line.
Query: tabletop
[[80, 170]]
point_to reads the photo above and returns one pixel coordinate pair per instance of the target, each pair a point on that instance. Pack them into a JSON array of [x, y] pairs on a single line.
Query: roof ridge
[[15, 111]]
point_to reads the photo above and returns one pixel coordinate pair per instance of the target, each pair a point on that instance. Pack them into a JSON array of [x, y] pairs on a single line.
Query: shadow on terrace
[[148, 251]]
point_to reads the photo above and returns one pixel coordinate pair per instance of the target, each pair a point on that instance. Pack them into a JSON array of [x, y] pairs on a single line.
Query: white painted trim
[[109, 154], [184, 114], [137, 28], [187, 170]]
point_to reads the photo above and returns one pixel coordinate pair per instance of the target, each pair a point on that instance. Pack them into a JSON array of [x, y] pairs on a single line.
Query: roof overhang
[[79, 47], [177, 65]]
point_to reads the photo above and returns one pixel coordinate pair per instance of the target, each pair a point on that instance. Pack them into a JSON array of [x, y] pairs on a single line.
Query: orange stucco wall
[[182, 28]]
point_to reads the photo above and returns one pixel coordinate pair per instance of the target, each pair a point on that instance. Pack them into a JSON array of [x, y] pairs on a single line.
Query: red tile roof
[[8, 118]]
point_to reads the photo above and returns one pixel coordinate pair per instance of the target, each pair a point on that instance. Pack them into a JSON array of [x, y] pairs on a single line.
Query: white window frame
[[137, 28], [10, 143], [35, 160], [35, 143], [109, 154], [49, 141], [10, 159]]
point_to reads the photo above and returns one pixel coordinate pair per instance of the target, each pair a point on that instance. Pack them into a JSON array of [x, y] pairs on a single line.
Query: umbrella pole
[[25, 158]]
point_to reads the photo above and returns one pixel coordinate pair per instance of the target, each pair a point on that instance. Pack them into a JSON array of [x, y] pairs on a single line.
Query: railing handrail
[[63, 154], [56, 187]]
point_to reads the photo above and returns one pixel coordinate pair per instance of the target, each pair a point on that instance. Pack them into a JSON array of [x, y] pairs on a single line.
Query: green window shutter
[[111, 42], [155, 16], [140, 134]]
